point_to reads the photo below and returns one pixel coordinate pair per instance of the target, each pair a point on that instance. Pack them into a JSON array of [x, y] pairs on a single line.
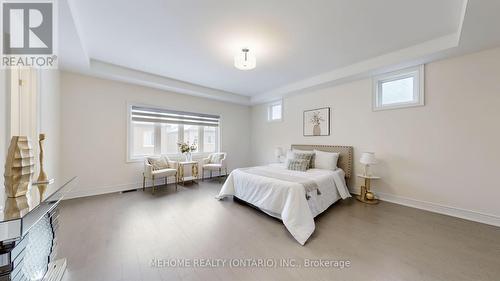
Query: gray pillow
[[305, 156], [297, 164]]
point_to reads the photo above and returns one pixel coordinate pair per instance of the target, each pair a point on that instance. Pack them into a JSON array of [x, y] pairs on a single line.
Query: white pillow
[[215, 158], [289, 155], [303, 151], [159, 163], [326, 160]]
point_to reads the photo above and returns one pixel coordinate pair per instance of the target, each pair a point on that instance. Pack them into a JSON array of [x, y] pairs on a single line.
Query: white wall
[[442, 157], [50, 121], [3, 122], [94, 130]]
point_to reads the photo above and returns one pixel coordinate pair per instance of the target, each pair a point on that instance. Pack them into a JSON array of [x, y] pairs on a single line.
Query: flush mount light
[[245, 60]]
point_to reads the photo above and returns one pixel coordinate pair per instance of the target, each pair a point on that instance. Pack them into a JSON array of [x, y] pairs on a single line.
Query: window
[[143, 141], [210, 139], [399, 89], [169, 138], [156, 131], [191, 134], [275, 111], [148, 139]]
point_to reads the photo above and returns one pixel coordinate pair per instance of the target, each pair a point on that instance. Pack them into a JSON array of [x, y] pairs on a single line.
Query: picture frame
[[316, 122]]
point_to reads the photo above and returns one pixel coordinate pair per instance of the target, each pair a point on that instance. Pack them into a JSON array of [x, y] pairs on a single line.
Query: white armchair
[[214, 162], [159, 167]]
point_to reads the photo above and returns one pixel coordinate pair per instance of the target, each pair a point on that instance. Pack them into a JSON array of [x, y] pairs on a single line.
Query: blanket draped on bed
[[309, 185], [283, 192]]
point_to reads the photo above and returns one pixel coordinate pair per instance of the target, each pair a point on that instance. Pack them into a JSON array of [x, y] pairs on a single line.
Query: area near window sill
[[172, 157]]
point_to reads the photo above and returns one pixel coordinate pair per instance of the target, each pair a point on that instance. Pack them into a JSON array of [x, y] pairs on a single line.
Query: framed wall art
[[317, 122]]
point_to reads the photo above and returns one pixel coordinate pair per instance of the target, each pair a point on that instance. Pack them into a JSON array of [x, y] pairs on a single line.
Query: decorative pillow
[[311, 165], [215, 158], [297, 164], [326, 160], [289, 155], [159, 163], [306, 156]]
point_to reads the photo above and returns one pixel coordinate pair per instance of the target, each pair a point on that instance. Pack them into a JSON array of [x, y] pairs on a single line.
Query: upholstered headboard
[[345, 158]]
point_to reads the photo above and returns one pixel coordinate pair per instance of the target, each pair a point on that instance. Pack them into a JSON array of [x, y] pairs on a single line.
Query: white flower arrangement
[[185, 147]]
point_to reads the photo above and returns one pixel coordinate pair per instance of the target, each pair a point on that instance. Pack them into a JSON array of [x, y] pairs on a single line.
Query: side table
[[194, 172], [366, 196]]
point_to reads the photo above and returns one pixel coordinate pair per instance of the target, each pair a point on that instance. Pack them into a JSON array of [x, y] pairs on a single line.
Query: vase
[[316, 130], [188, 156], [42, 177], [19, 167], [16, 207]]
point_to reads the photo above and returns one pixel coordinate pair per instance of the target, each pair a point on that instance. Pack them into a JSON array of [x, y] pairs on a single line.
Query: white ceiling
[[297, 43]]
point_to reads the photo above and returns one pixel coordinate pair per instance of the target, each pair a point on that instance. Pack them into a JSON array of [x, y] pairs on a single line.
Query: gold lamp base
[[366, 196], [367, 201]]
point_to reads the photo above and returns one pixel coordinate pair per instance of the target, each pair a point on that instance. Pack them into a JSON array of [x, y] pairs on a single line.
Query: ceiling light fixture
[[245, 60]]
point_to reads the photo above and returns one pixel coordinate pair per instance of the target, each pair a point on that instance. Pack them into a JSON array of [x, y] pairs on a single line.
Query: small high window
[[275, 111], [404, 88]]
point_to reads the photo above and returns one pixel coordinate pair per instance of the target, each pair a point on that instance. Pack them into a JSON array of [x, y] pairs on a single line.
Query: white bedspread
[[287, 200]]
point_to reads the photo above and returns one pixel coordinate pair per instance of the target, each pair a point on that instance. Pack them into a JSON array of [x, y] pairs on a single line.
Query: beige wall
[[442, 157], [50, 121], [94, 126], [3, 123]]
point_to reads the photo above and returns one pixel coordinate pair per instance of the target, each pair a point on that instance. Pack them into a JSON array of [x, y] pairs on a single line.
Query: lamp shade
[[278, 152], [368, 158]]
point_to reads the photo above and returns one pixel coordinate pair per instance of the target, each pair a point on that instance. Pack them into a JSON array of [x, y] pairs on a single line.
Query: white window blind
[[156, 131], [154, 115]]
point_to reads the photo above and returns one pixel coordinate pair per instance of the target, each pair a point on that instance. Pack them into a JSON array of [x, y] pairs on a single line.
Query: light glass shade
[[368, 158], [245, 60]]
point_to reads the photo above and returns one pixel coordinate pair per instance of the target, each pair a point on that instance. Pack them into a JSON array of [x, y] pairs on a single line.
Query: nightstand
[[194, 171], [365, 193]]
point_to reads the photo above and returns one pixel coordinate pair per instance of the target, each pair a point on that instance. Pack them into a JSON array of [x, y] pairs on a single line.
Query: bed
[[295, 197]]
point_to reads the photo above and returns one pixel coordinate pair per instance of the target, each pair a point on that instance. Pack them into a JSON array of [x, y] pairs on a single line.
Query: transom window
[[154, 131], [275, 111], [399, 89]]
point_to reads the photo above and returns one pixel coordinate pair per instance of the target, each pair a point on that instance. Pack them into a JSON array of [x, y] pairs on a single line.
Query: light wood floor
[[115, 237]]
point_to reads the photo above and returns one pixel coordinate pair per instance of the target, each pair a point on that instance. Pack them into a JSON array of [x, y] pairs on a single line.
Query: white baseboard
[[85, 192], [401, 200], [437, 208], [93, 191]]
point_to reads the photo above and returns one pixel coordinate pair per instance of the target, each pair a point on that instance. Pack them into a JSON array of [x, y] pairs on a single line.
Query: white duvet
[[285, 199]]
